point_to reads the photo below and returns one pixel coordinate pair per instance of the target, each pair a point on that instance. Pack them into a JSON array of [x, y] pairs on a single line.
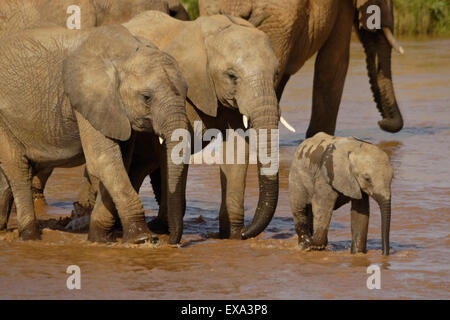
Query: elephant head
[[121, 83], [353, 166], [378, 44], [228, 63]]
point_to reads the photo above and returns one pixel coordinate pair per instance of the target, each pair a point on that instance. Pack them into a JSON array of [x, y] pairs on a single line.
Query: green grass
[[412, 17], [192, 8], [420, 17]]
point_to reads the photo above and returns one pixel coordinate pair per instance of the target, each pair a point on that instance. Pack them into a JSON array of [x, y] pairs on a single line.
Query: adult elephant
[[17, 15], [230, 68], [298, 29], [26, 14], [67, 97]]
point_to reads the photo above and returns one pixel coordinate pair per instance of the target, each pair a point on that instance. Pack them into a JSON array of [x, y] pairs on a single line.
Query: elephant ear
[[91, 82], [189, 49], [335, 166]]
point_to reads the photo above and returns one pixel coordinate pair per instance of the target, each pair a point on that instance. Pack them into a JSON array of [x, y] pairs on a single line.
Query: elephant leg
[[329, 77], [231, 216], [360, 223], [322, 208], [18, 172], [6, 201], [103, 218], [299, 206], [38, 183], [232, 179], [280, 89], [87, 195], [104, 160], [155, 179], [160, 224]]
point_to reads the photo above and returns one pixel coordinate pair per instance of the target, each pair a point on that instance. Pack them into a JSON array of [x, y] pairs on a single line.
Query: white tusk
[[286, 124], [245, 120], [161, 140], [392, 41]]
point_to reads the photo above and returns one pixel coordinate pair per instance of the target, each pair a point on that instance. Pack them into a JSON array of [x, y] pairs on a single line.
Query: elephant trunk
[[176, 181], [264, 120], [385, 209], [378, 58]]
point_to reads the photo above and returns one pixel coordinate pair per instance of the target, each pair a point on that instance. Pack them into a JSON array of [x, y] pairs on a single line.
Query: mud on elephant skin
[[298, 29], [328, 172], [75, 96]]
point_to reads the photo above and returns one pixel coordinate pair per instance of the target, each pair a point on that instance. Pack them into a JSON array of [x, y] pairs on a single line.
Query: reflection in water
[[271, 266]]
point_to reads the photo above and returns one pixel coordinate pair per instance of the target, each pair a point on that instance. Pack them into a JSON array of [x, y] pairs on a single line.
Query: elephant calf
[[69, 97], [328, 172]]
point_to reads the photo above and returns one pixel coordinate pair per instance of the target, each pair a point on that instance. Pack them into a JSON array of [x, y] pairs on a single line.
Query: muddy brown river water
[[271, 267]]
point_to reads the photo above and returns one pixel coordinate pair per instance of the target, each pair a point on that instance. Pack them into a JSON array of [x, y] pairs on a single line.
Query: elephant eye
[[232, 76], [147, 98]]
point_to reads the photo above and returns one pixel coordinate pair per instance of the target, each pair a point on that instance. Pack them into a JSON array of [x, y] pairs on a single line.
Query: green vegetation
[[418, 17], [412, 17], [192, 8]]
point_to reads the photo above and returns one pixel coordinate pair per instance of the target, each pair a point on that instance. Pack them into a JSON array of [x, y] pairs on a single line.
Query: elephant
[[328, 172], [69, 97], [17, 15], [298, 29], [230, 69]]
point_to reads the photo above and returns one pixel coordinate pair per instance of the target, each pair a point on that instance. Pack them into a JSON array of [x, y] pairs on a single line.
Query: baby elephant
[[328, 172]]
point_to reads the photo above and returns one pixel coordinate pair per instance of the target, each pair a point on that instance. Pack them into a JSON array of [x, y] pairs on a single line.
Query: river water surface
[[271, 267]]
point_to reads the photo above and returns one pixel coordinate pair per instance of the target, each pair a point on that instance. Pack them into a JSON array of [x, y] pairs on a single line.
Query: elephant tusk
[[245, 120], [286, 124], [392, 41], [161, 140]]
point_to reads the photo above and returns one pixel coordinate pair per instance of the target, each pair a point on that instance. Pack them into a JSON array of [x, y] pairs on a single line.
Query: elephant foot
[[356, 249], [158, 226], [304, 242], [30, 232], [236, 232], [233, 232], [319, 242], [137, 232], [99, 234]]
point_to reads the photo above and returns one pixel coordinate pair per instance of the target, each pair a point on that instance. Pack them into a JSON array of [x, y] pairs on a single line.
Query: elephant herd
[[112, 94]]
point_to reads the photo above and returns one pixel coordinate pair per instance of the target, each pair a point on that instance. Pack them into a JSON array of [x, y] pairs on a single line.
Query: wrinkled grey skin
[[16, 15], [230, 69], [328, 172], [298, 29], [67, 97]]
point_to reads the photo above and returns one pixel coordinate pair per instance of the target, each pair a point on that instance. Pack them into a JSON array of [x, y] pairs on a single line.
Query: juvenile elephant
[[230, 69], [328, 172], [298, 29], [67, 97], [18, 15]]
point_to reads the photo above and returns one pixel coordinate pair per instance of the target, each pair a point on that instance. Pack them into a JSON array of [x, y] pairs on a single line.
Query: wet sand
[[271, 266]]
